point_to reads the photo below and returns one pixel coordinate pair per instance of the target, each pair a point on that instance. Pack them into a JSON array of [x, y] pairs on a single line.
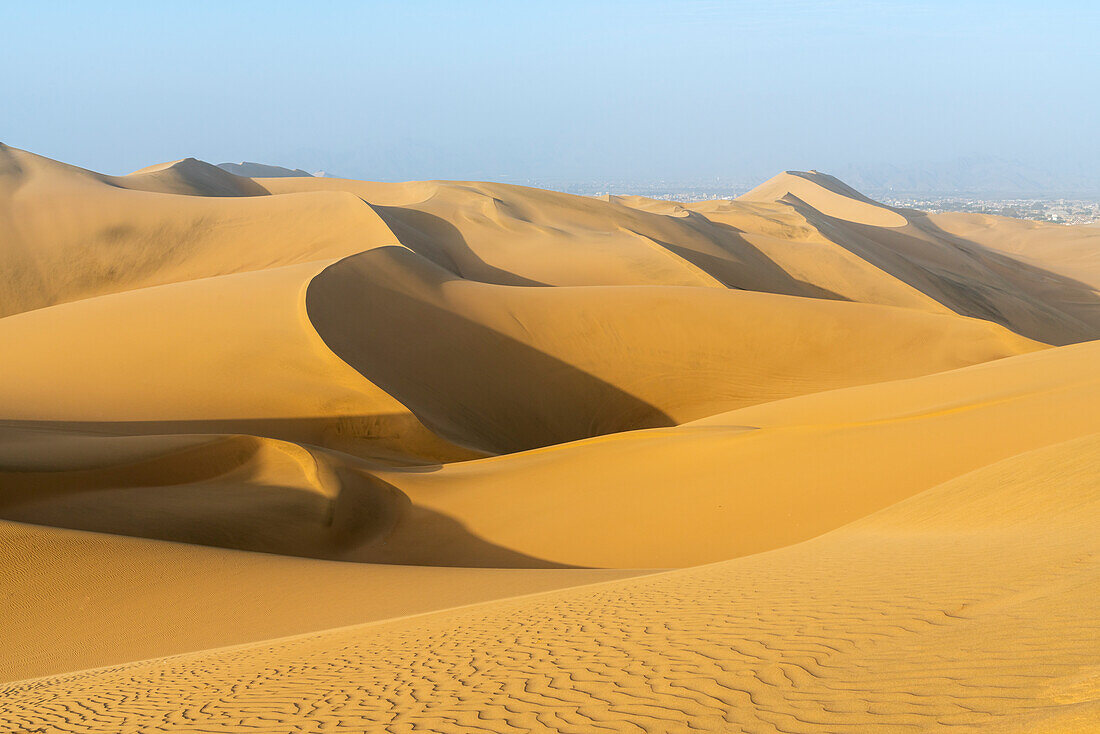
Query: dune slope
[[70, 234], [765, 476], [150, 598], [231, 354], [488, 368], [505, 368], [966, 606]]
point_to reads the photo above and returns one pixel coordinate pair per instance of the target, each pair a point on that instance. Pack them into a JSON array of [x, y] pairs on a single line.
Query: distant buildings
[[1059, 211]]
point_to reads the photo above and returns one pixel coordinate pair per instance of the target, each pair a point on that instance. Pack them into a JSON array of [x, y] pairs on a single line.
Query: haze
[[553, 92]]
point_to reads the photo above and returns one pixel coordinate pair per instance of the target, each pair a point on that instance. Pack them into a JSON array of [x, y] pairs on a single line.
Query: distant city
[[1058, 211], [1062, 193], [1081, 209]]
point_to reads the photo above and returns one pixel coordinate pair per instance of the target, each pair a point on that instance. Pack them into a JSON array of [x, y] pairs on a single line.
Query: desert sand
[[290, 453]]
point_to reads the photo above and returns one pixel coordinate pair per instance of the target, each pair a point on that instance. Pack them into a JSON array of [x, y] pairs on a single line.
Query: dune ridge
[[297, 453], [827, 195]]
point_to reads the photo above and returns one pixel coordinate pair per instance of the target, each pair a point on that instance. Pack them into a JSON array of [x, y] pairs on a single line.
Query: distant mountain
[[262, 170]]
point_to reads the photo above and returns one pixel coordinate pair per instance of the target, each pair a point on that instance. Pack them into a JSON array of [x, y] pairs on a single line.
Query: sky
[[552, 91]]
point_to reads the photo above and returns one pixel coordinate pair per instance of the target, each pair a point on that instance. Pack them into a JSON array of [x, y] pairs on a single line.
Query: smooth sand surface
[[311, 454], [76, 600]]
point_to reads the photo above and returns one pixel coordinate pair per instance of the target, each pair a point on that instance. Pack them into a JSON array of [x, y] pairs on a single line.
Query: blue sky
[[554, 90]]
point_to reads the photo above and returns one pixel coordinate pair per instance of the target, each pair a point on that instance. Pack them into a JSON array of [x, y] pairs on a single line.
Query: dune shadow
[[466, 381], [181, 513], [380, 439], [439, 241], [201, 494], [971, 279], [756, 271]]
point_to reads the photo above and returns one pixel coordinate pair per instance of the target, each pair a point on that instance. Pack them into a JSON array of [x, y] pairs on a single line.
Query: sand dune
[[290, 453], [229, 354], [967, 606], [516, 236], [71, 234], [94, 236], [191, 177], [241, 492], [149, 598], [1071, 252], [827, 195], [717, 488], [765, 476], [605, 360], [610, 359]]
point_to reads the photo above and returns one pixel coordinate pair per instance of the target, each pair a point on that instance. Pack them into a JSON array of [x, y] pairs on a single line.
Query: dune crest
[[827, 195], [191, 177]]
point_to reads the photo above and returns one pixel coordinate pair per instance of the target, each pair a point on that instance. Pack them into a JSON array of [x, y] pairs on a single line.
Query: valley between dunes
[[305, 454]]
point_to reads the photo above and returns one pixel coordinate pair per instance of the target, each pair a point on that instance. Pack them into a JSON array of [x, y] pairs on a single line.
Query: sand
[[969, 605], [311, 454]]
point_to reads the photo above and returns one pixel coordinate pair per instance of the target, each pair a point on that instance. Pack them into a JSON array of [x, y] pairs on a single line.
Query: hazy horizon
[[696, 92]]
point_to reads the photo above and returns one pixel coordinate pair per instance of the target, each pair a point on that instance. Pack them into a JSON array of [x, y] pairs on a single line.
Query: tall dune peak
[[828, 195], [190, 176]]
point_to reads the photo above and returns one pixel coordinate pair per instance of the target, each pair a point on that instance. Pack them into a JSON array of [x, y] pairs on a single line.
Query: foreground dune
[[717, 488], [76, 600], [966, 606], [310, 454]]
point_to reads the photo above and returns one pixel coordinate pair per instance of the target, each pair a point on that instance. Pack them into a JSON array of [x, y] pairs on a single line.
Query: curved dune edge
[[242, 491], [504, 369], [965, 606], [239, 492], [229, 354], [764, 476]]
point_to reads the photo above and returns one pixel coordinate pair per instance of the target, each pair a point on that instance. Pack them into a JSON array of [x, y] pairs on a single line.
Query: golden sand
[[303, 454]]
